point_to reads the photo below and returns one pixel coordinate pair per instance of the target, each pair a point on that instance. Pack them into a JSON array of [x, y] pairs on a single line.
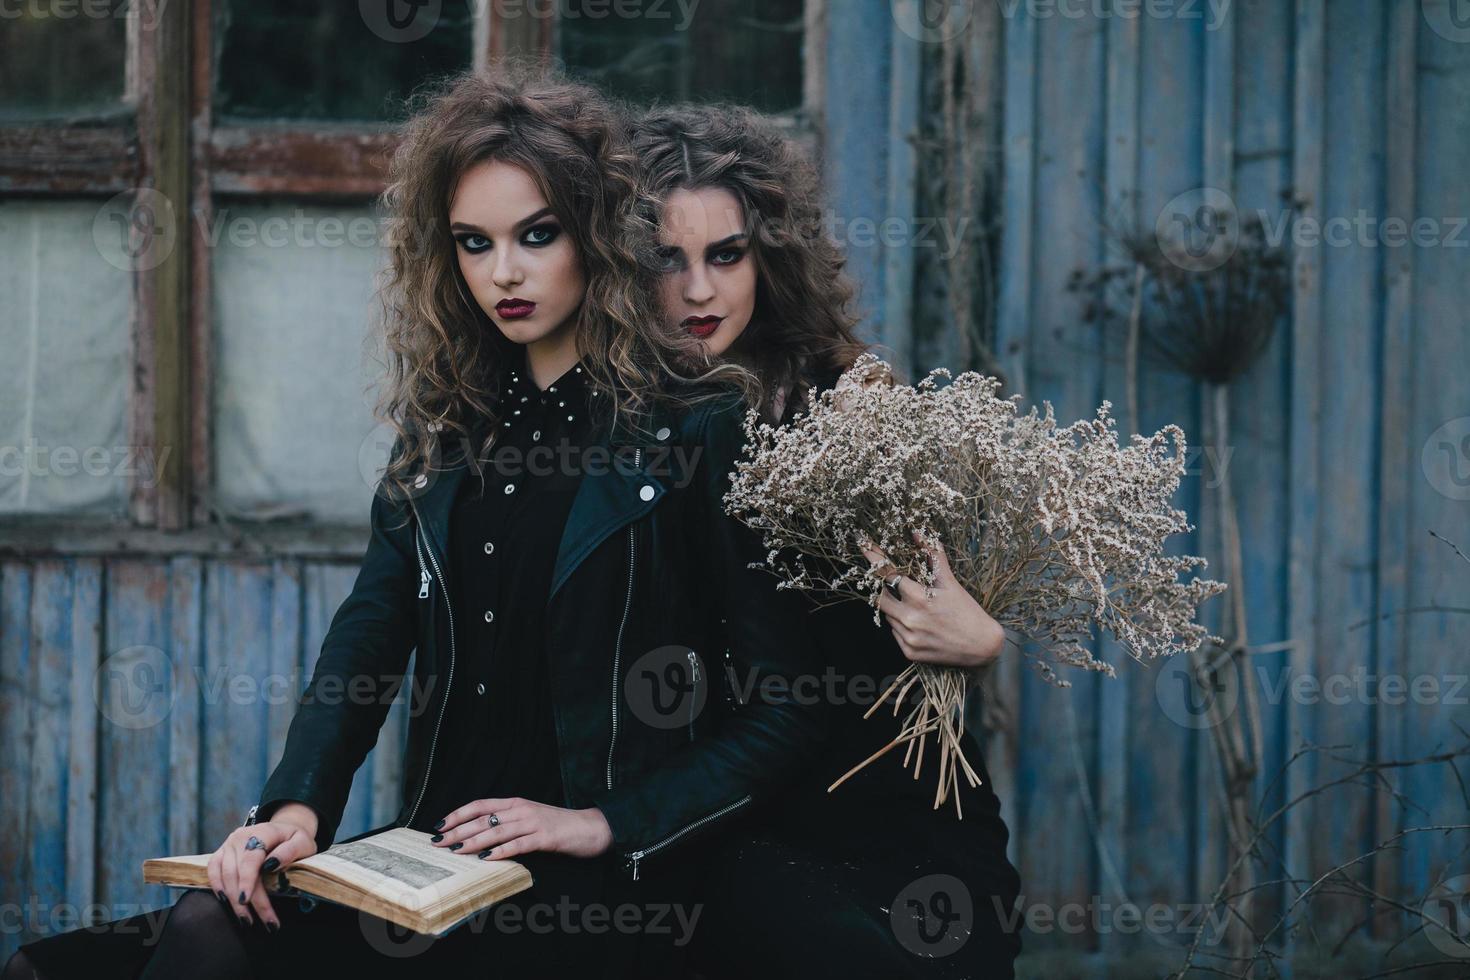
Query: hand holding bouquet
[[1051, 529]]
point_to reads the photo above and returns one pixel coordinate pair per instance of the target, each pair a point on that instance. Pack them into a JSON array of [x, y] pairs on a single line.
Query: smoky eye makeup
[[472, 242], [539, 236]]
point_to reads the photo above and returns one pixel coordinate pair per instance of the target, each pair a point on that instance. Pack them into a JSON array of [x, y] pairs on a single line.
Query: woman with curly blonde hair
[[860, 882], [589, 553]]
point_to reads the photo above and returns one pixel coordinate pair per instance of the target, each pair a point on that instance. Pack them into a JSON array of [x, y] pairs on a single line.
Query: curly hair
[[799, 268], [444, 353]]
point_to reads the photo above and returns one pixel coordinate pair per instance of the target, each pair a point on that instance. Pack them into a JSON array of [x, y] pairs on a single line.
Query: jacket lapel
[[613, 499]]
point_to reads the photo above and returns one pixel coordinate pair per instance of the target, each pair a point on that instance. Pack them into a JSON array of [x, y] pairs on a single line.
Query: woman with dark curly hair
[[870, 880], [589, 547]]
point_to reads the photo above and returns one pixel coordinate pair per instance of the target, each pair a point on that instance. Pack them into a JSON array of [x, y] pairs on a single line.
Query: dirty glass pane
[[61, 61], [293, 307], [340, 61], [65, 369], [746, 51]]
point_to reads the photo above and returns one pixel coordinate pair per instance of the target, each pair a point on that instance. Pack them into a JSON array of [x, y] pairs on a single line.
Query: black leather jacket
[[648, 560]]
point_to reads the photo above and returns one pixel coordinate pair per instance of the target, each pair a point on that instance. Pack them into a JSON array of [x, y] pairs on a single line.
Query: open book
[[396, 875]]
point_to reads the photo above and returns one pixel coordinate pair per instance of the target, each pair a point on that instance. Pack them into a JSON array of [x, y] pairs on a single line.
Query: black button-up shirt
[[505, 533]]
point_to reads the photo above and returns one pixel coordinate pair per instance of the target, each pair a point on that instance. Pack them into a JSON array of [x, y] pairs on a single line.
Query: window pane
[[283, 59], [746, 51], [62, 67], [293, 302], [66, 365]]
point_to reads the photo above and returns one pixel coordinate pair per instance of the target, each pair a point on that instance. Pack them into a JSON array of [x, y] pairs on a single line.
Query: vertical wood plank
[[15, 737], [81, 785], [1120, 178], [137, 690], [1309, 101], [1395, 407], [1013, 331], [897, 323], [50, 685], [185, 623]]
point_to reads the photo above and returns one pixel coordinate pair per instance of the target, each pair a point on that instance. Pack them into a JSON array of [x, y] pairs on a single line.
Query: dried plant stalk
[[1054, 530]]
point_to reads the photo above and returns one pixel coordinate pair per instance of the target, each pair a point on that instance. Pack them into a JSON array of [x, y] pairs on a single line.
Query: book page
[[401, 866]]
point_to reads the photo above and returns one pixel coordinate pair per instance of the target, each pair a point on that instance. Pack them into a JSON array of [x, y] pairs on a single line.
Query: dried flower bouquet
[[1051, 529]]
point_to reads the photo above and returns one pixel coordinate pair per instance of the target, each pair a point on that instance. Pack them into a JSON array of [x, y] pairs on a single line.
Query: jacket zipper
[[637, 856], [618, 647], [421, 546]]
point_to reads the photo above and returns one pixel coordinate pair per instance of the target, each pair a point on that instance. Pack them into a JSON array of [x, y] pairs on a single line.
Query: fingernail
[[439, 825], [221, 897], [437, 838], [244, 921], [271, 864], [483, 854], [242, 898], [272, 926], [456, 845]]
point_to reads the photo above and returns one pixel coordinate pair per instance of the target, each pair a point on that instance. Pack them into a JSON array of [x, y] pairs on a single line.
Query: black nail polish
[[482, 854], [272, 926], [242, 898], [222, 899], [437, 838], [439, 825], [244, 921], [271, 864], [456, 845]]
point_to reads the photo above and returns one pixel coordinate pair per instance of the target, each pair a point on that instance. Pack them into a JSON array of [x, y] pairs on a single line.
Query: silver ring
[[494, 820], [892, 586], [253, 844]]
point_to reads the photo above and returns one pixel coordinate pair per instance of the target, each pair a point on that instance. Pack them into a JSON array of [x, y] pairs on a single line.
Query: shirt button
[[489, 616], [510, 488], [647, 493], [663, 434], [479, 688], [489, 547]]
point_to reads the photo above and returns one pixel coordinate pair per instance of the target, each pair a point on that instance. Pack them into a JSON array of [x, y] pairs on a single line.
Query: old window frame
[[169, 143]]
